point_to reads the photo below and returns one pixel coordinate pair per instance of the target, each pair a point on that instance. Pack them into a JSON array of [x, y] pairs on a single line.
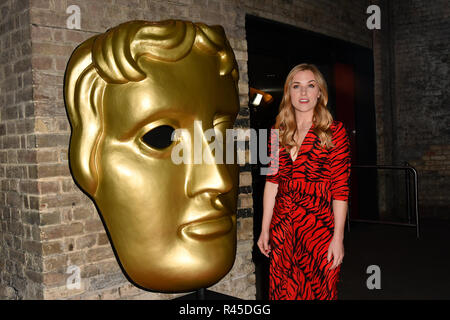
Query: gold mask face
[[172, 226]]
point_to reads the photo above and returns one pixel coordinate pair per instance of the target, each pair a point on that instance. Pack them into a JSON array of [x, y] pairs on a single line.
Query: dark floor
[[410, 268]]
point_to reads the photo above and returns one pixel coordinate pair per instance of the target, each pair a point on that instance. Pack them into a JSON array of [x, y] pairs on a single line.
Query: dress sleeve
[[273, 170], [340, 164]]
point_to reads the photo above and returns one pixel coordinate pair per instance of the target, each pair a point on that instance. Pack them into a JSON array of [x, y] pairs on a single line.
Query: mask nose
[[206, 176], [211, 178]]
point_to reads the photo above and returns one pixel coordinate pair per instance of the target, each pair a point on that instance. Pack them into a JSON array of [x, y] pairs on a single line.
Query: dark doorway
[[273, 50]]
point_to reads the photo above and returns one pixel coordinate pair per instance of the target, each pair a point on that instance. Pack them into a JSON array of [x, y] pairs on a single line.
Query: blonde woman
[[305, 201]]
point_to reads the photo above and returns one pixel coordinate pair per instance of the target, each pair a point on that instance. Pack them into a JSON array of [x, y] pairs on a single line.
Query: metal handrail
[[412, 171]]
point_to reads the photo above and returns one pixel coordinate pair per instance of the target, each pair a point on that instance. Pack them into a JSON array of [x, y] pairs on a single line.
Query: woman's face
[[304, 91]]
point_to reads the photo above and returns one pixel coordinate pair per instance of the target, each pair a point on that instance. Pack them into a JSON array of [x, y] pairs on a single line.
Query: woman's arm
[[340, 188], [270, 192], [340, 215], [336, 248]]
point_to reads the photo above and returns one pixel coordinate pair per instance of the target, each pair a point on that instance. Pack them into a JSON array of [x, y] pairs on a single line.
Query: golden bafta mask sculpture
[[172, 226]]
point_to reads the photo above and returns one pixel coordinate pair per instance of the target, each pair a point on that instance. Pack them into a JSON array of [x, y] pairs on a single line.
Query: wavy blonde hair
[[322, 118]]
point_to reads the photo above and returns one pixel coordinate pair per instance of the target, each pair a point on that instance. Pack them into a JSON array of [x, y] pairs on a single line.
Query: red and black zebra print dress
[[303, 223]]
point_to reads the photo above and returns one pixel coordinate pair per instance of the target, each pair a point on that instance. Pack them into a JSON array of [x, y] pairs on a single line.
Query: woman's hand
[[263, 243], [336, 251]]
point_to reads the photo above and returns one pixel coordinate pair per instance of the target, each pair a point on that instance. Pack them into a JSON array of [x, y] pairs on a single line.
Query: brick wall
[[422, 100], [60, 222], [20, 262]]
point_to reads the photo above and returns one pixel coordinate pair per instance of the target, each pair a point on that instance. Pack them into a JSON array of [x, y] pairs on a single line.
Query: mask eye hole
[[159, 137]]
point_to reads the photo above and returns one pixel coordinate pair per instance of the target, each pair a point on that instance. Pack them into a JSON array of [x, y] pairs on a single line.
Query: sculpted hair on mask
[[112, 58]]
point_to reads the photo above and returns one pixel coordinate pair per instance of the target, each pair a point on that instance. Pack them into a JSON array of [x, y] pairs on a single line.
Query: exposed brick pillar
[[20, 246]]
